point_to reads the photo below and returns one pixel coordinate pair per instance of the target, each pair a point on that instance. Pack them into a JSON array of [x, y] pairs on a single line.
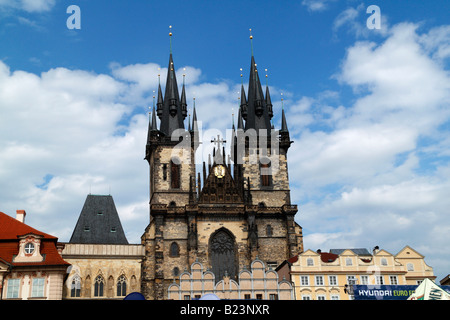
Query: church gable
[[220, 187]]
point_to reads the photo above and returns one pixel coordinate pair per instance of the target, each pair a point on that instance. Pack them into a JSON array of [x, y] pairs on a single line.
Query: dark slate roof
[[99, 222], [357, 251]]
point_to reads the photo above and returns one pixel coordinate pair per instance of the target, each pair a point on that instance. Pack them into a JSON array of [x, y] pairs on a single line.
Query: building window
[[176, 272], [165, 172], [269, 230], [266, 176], [384, 262], [29, 248], [380, 279], [37, 287], [174, 175], [121, 286], [321, 297], [365, 280], [75, 287], [351, 280], [348, 262], [98, 286], [187, 297], [309, 262], [334, 297], [306, 297], [304, 280], [12, 291], [410, 267], [113, 229], [273, 296], [319, 280], [174, 250], [393, 280], [333, 280]]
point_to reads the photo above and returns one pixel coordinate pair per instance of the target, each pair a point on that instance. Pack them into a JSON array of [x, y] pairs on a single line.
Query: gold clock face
[[219, 171]]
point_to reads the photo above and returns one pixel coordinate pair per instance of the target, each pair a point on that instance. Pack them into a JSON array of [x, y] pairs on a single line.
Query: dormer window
[[29, 248]]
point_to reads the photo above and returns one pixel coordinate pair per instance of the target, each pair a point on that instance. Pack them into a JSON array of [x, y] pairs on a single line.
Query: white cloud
[[317, 5], [66, 133], [28, 5], [379, 175]]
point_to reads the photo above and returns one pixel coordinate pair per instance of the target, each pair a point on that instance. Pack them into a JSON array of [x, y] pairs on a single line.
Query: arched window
[[174, 175], [121, 286], [223, 254], [98, 286], [75, 287], [174, 250]]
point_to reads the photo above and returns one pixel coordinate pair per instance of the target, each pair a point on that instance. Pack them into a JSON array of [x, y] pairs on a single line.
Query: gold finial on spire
[[251, 40], [170, 35]]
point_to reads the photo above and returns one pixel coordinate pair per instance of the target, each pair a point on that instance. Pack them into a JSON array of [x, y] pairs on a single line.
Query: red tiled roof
[[11, 229]]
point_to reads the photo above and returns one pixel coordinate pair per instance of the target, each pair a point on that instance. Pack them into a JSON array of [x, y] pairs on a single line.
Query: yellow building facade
[[329, 275]]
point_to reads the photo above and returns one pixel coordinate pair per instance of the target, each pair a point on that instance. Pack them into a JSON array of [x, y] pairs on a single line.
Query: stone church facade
[[235, 210]]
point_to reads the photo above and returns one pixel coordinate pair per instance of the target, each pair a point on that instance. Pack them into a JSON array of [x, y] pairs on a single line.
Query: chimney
[[376, 249], [20, 215]]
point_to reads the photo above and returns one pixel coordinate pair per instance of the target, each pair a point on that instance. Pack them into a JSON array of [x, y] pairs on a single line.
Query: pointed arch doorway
[[222, 254]]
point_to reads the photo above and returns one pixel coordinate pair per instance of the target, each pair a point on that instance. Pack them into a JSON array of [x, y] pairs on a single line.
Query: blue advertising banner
[[384, 292]]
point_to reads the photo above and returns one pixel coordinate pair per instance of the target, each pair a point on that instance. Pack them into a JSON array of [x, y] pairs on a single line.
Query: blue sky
[[368, 109]]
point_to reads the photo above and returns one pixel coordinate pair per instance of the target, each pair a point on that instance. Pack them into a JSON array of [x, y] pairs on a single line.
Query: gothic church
[[235, 210]]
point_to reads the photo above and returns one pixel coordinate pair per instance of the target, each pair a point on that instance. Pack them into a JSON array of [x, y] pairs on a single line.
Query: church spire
[[153, 125], [285, 141], [284, 127], [172, 109], [268, 100], [257, 116]]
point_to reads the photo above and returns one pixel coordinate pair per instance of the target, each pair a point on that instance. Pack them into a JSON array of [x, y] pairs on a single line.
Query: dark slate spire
[[153, 126], [257, 116], [194, 119], [183, 100], [160, 102], [99, 222], [284, 127], [285, 141], [173, 111], [269, 103], [244, 105]]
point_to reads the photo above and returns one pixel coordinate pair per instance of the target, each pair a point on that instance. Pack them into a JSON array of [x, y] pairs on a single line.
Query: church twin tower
[[235, 210]]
